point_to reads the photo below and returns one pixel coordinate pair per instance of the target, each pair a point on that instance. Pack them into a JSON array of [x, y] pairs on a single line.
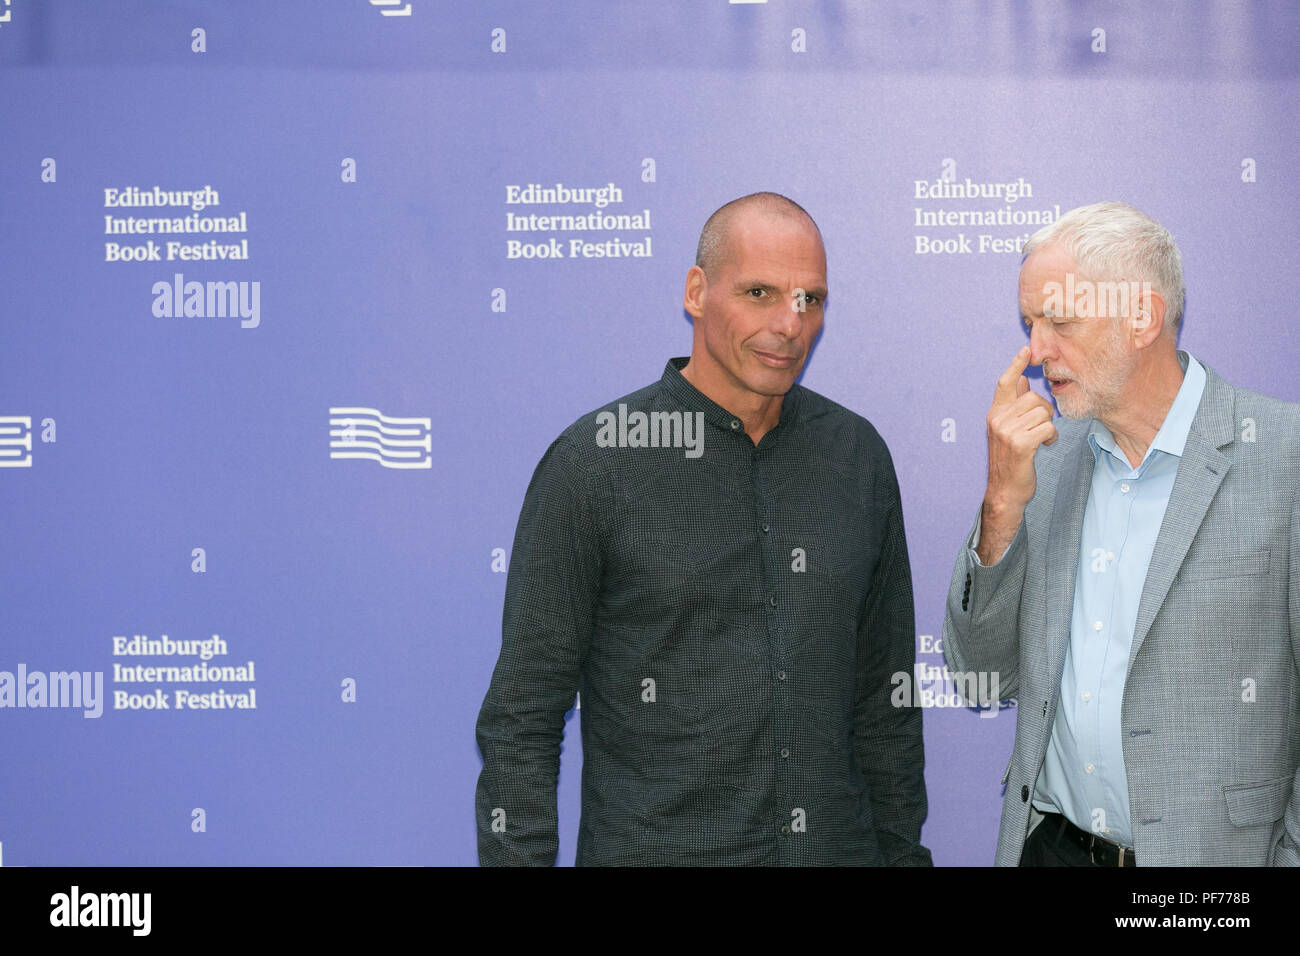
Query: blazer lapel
[[1063, 554], [1200, 473]]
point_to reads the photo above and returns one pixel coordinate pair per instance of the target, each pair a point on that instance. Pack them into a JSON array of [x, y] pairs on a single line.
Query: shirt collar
[[692, 399], [1172, 436]]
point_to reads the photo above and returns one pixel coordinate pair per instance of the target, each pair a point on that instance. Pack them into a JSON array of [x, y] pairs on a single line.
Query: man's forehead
[[1045, 264], [779, 268], [1028, 286], [1053, 258]]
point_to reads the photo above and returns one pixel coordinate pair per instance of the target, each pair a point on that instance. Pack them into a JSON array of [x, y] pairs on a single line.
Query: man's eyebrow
[[814, 290], [746, 284]]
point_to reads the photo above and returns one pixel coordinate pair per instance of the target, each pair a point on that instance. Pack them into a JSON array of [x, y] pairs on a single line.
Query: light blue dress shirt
[[1083, 776]]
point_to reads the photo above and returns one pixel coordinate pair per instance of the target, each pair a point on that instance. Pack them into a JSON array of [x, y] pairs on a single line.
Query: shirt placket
[[1114, 530], [776, 599]]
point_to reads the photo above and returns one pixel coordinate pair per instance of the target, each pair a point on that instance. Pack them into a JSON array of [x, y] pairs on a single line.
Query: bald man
[[717, 564]]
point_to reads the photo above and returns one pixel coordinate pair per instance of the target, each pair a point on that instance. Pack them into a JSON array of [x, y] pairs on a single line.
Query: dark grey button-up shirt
[[736, 618]]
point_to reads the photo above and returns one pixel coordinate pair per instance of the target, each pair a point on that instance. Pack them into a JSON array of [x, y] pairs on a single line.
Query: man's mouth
[[1055, 382], [776, 360]]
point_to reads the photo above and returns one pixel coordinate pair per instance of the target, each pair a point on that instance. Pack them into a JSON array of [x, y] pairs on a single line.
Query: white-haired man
[[1134, 578]]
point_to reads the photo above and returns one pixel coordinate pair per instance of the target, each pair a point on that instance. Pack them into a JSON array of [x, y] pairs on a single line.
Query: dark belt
[[1101, 852]]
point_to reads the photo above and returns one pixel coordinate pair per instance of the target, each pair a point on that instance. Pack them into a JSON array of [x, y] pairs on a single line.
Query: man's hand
[[1018, 422]]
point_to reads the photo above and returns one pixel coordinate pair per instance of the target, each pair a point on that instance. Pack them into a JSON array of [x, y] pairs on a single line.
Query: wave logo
[[393, 442], [403, 11], [5, 15], [15, 441]]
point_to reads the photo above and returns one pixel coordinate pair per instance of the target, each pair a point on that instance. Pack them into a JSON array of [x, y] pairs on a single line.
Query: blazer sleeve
[[981, 626], [1287, 851]]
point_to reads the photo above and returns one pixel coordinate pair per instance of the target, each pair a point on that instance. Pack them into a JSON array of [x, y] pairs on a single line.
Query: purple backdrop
[[180, 478]]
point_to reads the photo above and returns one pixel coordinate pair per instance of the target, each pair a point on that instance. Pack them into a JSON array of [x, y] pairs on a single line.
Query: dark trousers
[[1046, 848]]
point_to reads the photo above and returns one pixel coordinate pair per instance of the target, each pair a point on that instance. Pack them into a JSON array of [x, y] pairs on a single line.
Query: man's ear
[[1148, 320], [697, 284]]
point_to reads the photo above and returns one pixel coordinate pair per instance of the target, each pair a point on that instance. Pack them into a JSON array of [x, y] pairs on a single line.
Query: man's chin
[[772, 382], [1076, 407], [774, 388]]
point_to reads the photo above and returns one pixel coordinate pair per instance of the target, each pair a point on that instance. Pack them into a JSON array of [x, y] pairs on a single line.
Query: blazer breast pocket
[[1244, 564]]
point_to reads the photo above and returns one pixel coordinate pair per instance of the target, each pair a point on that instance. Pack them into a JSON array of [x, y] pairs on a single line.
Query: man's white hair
[[1112, 241]]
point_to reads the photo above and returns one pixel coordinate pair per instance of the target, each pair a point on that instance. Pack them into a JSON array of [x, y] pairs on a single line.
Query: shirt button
[[1124, 487], [771, 601], [1110, 555], [786, 829], [1087, 695], [735, 424], [1097, 626], [780, 675], [766, 528], [785, 752], [1088, 768]]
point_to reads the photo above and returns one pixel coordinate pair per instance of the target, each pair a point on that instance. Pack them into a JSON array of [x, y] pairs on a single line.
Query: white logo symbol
[[405, 10], [4, 17], [15, 436], [393, 442]]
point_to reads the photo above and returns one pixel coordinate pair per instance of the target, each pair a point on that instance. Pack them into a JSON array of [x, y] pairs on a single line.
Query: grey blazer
[[1211, 710]]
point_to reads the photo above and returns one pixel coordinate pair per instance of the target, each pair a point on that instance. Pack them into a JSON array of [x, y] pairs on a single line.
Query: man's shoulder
[[1280, 414], [651, 418], [828, 420], [581, 434], [1261, 428]]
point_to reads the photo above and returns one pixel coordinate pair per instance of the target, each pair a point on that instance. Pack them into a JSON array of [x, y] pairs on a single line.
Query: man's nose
[[790, 317], [1040, 343]]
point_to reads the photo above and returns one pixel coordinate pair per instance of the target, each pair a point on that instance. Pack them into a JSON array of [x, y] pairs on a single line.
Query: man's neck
[[1144, 405], [759, 413]]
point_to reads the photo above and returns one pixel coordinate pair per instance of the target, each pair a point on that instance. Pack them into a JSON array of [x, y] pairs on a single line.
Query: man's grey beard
[[1095, 401], [1104, 395]]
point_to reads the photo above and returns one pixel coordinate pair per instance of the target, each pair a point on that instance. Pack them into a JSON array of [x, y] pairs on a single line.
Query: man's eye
[[758, 293], [811, 298]]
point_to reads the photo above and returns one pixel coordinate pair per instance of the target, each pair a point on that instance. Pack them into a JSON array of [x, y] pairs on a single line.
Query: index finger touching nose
[[1011, 384]]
